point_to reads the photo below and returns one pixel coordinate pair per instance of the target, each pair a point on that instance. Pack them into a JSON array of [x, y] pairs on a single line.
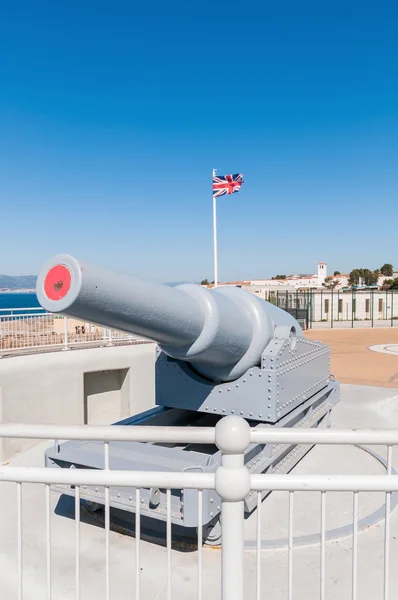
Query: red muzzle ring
[[57, 282]]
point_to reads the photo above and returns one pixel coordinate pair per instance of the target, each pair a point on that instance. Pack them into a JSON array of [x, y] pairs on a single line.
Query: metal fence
[[338, 308], [35, 329], [232, 481]]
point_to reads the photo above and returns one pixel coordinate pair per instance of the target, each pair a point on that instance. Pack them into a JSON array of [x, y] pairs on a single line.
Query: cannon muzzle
[[220, 332]]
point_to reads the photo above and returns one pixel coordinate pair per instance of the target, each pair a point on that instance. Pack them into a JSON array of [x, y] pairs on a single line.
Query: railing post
[[372, 305], [66, 346], [232, 485]]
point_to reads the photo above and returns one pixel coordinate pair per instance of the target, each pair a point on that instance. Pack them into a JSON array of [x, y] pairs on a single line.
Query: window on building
[[326, 306], [367, 305], [340, 306], [380, 305]]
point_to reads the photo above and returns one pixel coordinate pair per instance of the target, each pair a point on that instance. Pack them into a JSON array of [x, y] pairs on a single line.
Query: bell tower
[[322, 272]]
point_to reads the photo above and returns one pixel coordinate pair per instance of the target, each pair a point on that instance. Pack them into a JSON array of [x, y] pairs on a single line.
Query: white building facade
[[295, 281], [315, 281], [332, 306]]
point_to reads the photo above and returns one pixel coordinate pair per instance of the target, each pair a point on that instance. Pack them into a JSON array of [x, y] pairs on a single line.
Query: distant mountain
[[19, 282], [174, 283]]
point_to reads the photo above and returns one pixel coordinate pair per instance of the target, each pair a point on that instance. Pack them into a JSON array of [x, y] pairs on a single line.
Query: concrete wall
[[99, 385]]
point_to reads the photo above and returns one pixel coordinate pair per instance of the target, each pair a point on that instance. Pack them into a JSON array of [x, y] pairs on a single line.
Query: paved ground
[[352, 360]]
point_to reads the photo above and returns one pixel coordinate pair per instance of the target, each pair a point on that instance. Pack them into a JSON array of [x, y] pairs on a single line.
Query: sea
[[18, 300], [25, 300]]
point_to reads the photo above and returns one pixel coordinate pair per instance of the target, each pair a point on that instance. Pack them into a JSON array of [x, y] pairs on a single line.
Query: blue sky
[[112, 117]]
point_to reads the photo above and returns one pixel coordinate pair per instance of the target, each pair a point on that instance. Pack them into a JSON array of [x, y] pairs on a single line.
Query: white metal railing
[[232, 481], [33, 328]]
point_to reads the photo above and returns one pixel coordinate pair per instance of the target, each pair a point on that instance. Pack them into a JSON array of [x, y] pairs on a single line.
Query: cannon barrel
[[220, 332]]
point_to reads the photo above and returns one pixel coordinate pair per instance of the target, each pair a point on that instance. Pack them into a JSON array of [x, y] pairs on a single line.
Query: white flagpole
[[215, 236]]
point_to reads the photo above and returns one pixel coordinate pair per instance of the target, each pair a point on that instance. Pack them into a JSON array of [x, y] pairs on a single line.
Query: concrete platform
[[361, 406], [385, 348]]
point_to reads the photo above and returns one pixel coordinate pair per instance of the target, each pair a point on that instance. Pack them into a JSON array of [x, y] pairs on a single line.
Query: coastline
[[19, 291]]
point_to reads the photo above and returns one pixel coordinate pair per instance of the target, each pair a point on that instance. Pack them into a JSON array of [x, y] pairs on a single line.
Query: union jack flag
[[226, 184]]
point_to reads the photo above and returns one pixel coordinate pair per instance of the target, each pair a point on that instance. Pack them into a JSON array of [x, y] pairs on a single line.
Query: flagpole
[[215, 236]]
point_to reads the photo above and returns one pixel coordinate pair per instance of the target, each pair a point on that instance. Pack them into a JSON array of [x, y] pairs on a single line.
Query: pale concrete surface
[[385, 348], [106, 396], [361, 406], [50, 388]]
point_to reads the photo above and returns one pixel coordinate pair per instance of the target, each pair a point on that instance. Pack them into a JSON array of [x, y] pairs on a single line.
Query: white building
[[313, 282], [296, 281]]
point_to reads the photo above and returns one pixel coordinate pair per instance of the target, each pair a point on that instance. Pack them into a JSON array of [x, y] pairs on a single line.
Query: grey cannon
[[220, 352], [221, 332]]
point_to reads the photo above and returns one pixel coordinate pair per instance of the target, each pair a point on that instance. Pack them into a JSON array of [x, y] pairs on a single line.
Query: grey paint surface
[[222, 332], [285, 378], [224, 351], [158, 457]]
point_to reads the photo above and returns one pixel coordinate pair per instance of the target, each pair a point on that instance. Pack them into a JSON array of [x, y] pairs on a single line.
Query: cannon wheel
[[211, 533]]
